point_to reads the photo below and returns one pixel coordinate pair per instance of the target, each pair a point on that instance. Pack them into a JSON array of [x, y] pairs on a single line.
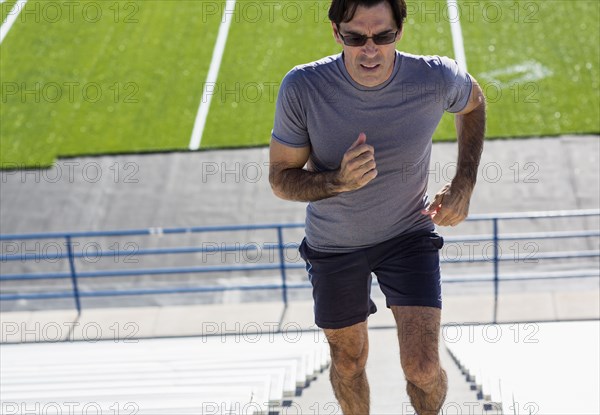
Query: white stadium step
[[213, 375], [273, 377], [232, 402], [115, 371], [530, 367]]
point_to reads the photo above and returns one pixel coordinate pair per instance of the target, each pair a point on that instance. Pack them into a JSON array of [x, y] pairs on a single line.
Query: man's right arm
[[290, 181]]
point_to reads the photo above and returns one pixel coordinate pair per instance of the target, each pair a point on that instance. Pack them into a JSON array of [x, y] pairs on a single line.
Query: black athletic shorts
[[407, 269]]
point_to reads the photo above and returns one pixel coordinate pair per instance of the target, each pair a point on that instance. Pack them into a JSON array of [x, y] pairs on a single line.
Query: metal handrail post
[[496, 263], [73, 275], [282, 266]]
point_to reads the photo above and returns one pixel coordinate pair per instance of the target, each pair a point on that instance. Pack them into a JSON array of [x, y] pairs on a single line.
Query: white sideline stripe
[[11, 18], [457, 37], [213, 73]]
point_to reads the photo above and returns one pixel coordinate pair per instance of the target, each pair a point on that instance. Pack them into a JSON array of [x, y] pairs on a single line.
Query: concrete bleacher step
[[282, 371], [520, 369], [233, 401], [274, 377], [262, 384], [196, 353], [223, 374], [296, 374]]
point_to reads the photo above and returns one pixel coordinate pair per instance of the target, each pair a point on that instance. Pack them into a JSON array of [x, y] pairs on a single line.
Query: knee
[[349, 350], [423, 374], [349, 363]]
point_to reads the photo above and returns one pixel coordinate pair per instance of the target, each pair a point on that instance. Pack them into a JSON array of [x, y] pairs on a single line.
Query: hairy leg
[[418, 334], [349, 350]]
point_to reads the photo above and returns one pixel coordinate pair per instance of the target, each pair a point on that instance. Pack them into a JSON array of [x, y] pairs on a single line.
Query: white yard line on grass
[[457, 37], [11, 18], [213, 73]]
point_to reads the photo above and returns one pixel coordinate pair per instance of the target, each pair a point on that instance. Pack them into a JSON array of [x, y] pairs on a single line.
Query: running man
[[352, 137]]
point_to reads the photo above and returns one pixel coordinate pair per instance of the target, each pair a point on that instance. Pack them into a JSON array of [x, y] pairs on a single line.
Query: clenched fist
[[358, 165], [450, 206]]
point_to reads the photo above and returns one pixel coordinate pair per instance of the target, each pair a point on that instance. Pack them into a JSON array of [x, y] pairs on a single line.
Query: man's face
[[369, 65]]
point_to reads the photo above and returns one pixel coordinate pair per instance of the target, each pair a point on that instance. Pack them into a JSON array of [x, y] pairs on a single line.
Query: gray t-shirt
[[321, 106]]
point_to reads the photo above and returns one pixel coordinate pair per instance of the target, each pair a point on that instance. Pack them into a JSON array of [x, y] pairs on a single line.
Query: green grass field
[[540, 64], [5, 9], [119, 77]]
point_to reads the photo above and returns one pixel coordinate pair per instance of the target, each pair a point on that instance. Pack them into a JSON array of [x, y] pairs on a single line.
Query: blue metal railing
[[281, 265]]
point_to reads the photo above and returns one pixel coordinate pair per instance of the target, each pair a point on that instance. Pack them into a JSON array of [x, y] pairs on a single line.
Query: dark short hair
[[343, 10]]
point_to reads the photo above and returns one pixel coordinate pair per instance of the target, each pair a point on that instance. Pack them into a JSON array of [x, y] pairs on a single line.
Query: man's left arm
[[450, 205]]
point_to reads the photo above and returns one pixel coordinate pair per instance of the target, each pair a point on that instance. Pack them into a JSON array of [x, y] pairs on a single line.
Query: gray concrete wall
[[231, 186]]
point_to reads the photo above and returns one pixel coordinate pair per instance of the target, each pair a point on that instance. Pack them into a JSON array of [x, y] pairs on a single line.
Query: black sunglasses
[[361, 40]]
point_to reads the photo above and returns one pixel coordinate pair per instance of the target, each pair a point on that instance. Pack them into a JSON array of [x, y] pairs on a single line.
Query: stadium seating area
[[522, 367], [232, 374]]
